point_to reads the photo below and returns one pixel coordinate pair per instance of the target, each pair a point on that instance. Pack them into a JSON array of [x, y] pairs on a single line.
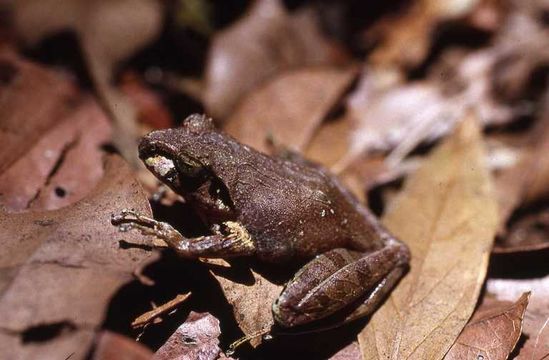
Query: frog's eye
[[189, 167]]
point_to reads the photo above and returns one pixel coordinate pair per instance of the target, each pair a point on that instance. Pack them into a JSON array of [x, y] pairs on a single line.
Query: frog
[[277, 209]]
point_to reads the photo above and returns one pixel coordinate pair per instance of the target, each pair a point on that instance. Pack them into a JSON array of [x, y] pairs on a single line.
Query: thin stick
[[149, 316]]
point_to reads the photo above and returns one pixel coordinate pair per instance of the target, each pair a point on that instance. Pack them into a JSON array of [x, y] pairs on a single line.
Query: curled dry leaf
[[536, 319], [537, 183], [51, 98], [109, 32], [262, 43], [286, 109], [525, 183], [447, 214], [63, 166], [492, 332], [71, 260], [530, 232], [113, 346], [196, 338]]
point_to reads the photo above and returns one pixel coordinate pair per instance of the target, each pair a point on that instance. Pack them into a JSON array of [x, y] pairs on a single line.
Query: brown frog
[[278, 210]]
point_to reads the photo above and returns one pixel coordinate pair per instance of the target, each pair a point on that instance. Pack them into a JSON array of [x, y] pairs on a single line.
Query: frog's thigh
[[334, 280]]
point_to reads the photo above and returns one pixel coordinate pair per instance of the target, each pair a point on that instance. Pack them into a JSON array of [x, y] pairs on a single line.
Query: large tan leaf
[[447, 214], [251, 301]]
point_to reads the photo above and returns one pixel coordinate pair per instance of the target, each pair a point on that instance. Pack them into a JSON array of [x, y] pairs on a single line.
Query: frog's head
[[176, 156], [194, 160]]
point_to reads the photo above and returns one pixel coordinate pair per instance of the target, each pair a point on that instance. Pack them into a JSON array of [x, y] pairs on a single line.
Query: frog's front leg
[[229, 239], [338, 278]]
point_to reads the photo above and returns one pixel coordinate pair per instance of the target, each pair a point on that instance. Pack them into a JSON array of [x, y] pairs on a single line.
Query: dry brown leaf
[[265, 41], [447, 214], [287, 109], [51, 97], [488, 15], [113, 346], [63, 166], [196, 338], [150, 109], [349, 352], [69, 260], [109, 31], [537, 329], [252, 300], [407, 39], [492, 332], [536, 319]]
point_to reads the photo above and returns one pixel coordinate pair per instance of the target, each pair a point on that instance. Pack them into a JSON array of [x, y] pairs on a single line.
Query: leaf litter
[[262, 80]]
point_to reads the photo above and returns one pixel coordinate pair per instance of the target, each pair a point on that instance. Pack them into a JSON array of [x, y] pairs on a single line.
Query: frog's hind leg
[[337, 279], [231, 240]]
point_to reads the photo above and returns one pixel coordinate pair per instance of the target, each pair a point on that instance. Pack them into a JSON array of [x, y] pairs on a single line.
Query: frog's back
[[295, 210]]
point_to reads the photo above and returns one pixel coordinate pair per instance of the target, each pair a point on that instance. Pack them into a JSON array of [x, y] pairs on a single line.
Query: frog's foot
[[229, 240], [337, 279], [128, 220]]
